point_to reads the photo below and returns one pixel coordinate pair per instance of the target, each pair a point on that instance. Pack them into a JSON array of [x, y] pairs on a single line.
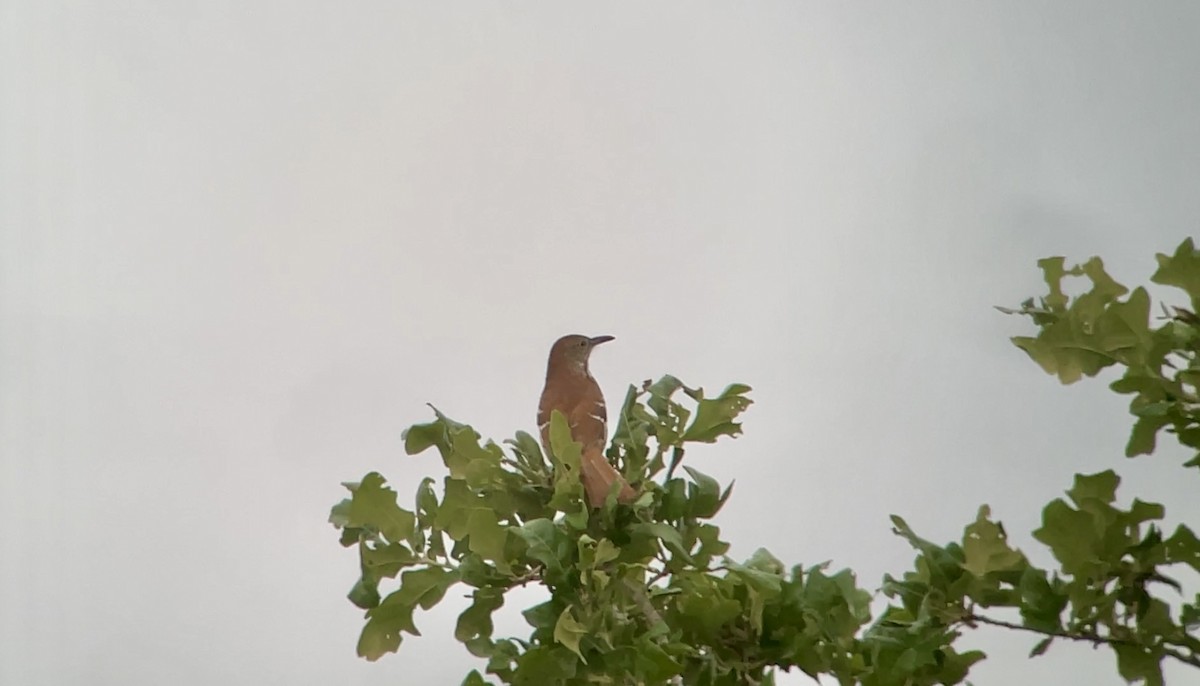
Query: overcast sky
[[242, 244]]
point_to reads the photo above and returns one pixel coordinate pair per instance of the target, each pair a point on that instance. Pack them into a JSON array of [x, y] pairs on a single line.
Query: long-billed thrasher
[[571, 390]]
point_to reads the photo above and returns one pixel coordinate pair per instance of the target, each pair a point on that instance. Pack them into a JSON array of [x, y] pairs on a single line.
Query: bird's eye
[[583, 343]]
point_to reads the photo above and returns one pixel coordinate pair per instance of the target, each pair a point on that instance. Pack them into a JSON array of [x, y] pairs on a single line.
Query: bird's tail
[[598, 476]]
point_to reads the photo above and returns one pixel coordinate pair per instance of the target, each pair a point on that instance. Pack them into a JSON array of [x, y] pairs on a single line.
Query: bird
[[571, 390]]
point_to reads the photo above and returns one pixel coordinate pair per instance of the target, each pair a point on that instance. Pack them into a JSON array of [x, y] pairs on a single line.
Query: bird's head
[[572, 352]]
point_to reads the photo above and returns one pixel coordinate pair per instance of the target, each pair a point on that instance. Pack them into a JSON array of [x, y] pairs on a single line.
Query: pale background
[[241, 244]]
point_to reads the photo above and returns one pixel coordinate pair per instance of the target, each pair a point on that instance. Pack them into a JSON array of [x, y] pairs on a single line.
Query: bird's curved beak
[[597, 340]]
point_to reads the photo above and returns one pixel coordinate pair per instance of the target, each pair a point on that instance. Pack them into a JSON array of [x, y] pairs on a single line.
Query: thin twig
[[534, 574], [642, 600], [658, 576], [1094, 639]]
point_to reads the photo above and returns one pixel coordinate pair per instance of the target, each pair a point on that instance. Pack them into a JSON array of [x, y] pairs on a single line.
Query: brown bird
[[571, 390]]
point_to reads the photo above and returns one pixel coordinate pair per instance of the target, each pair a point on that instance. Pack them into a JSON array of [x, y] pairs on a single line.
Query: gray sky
[[241, 244]]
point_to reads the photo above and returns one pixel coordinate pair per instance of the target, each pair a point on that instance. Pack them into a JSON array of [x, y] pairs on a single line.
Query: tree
[[643, 594]]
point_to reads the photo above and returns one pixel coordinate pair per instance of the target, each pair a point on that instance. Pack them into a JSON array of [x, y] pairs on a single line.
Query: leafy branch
[[645, 593], [1081, 336], [972, 618]]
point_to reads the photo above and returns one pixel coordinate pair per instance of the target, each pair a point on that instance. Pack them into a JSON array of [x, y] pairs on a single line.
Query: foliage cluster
[[645, 594]]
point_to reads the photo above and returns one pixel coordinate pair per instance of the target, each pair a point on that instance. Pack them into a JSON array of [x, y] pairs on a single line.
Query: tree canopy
[[645, 594]]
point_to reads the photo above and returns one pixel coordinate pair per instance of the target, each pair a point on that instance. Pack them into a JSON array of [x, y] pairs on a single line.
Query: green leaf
[[427, 504], [486, 537], [474, 571], [528, 451], [478, 464], [1041, 647], [674, 500], [565, 456], [561, 441], [704, 495], [704, 611], [1095, 332], [339, 515], [351, 536], [711, 544], [385, 560], [1183, 548], [545, 664], [986, 548], [1139, 663], [1144, 435], [955, 665], [1041, 603], [476, 621], [455, 509], [1104, 288], [1070, 535], [419, 437], [660, 395], [714, 417], [569, 632], [423, 588], [546, 544], [655, 664], [1142, 511], [474, 679], [379, 637], [605, 552], [666, 533], [938, 566], [632, 433], [902, 529], [762, 560], [1051, 358], [1102, 487], [839, 605], [1155, 618], [1053, 271], [373, 505], [1181, 270], [543, 616], [762, 581], [1189, 614], [365, 593]]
